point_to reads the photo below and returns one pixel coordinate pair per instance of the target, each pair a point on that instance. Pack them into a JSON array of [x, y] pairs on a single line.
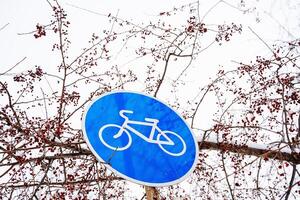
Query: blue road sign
[[140, 138]]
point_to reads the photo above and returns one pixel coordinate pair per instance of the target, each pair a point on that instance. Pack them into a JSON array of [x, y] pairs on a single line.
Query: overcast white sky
[[22, 16]]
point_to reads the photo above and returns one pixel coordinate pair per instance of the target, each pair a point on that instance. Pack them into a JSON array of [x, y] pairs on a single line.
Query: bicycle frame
[[153, 123]]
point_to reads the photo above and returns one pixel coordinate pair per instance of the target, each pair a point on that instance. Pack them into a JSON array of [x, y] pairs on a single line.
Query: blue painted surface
[[142, 162]]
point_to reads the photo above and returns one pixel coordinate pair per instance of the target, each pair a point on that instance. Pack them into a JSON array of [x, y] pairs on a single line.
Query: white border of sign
[[119, 173]]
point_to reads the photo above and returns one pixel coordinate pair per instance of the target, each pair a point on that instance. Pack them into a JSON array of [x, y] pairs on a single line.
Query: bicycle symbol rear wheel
[[108, 133], [179, 147]]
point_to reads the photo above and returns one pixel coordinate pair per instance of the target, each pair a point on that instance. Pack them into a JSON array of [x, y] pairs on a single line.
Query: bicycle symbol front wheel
[[179, 146], [111, 137]]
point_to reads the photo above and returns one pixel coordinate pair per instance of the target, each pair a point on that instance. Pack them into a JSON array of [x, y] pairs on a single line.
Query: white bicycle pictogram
[[163, 139]]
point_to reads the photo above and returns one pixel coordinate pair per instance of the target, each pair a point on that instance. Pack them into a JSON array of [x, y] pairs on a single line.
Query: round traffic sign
[[140, 138]]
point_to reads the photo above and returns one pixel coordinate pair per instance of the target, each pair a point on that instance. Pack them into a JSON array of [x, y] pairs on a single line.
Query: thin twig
[[87, 10], [42, 180], [3, 73], [45, 105], [209, 10], [226, 176], [3, 27], [56, 184], [165, 70], [291, 184], [261, 39]]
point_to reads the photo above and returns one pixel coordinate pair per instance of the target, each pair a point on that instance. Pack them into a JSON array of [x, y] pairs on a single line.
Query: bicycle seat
[[151, 120]]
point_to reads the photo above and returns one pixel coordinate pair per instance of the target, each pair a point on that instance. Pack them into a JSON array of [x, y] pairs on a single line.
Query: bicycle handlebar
[[122, 112]]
